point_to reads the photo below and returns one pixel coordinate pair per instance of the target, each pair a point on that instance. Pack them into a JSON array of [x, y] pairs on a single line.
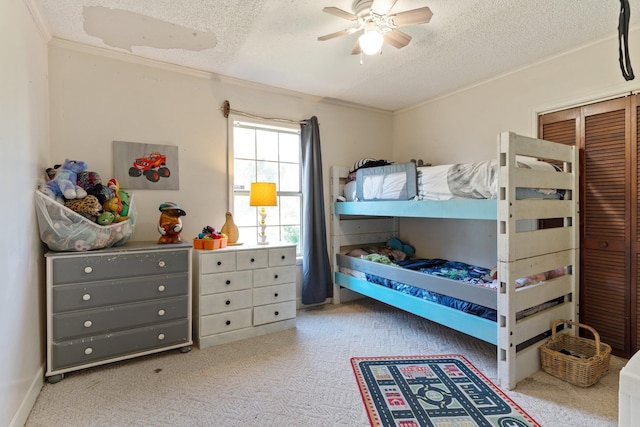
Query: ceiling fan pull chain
[[623, 39]]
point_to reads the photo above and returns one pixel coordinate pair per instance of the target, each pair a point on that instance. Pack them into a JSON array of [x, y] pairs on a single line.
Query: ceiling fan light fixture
[[371, 42]]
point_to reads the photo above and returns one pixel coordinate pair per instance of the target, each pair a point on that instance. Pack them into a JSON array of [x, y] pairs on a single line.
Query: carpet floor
[[298, 377]]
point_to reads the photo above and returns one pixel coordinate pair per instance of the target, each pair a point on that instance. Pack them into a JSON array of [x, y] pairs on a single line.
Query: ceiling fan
[[378, 24]]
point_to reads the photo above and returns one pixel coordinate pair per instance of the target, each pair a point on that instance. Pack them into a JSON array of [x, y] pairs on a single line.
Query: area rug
[[445, 390]]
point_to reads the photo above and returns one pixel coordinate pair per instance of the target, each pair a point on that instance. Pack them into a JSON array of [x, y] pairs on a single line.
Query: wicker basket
[[579, 361]]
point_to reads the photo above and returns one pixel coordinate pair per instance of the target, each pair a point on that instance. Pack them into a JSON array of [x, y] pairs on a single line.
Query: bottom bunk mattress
[[452, 270]]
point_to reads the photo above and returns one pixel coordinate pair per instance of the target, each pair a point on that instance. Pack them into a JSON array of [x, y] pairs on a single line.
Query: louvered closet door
[[635, 224], [600, 130], [604, 302]]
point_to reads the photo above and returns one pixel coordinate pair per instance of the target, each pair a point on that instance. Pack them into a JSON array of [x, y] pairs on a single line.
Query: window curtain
[[317, 284]]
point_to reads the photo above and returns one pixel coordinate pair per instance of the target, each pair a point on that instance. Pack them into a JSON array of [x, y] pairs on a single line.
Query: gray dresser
[[243, 291], [114, 304]]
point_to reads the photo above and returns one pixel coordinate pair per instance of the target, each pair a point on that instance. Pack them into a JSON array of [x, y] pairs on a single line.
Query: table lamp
[[263, 194]]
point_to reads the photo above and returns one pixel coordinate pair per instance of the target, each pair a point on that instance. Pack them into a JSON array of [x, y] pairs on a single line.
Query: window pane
[[244, 143], [267, 172], [289, 210], [243, 214], [244, 173], [291, 234], [267, 145], [289, 147], [289, 177]]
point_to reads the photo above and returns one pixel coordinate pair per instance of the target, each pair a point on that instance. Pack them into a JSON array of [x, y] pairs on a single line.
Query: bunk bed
[[521, 252]]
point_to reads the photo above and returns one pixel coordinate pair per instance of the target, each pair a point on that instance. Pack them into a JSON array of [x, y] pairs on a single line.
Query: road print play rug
[[445, 390]]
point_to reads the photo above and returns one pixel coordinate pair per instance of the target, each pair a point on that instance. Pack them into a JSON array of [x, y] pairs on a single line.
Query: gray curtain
[[317, 283]]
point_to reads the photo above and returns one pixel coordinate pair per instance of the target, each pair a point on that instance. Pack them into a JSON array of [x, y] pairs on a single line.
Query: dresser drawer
[[225, 282], [282, 256], [274, 312], [228, 301], [89, 295], [272, 294], [97, 321], [274, 276], [111, 266], [216, 262], [248, 260], [225, 322], [101, 347]]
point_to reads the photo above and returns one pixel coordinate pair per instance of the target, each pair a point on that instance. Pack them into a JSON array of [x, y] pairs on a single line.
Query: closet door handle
[[603, 244]]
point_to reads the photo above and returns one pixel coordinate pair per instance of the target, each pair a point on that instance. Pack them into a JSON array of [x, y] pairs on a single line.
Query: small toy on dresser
[[170, 224], [210, 238]]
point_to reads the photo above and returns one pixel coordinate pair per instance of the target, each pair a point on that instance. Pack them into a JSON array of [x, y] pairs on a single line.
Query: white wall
[[24, 138], [98, 97], [463, 127]]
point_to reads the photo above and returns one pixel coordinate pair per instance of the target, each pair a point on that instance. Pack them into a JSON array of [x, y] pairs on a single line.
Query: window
[[260, 151]]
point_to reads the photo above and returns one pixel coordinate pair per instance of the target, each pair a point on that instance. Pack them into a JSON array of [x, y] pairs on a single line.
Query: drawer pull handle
[[275, 276], [276, 313], [253, 259], [275, 295], [161, 264], [161, 312], [283, 257], [88, 270], [228, 302], [88, 323], [228, 322], [160, 337], [86, 297], [219, 262], [228, 282], [88, 351], [161, 288]]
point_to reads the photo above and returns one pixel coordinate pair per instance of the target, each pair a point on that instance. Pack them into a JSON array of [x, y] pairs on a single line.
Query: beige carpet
[[299, 377]]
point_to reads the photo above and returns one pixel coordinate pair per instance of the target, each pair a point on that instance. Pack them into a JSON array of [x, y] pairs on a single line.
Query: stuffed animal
[[106, 218], [114, 207], [64, 183], [92, 184], [170, 224], [89, 207]]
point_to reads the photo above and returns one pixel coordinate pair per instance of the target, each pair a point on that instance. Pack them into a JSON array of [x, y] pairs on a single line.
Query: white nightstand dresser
[[243, 291]]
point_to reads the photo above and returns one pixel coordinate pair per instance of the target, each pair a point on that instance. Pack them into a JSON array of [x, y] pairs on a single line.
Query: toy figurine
[[170, 224]]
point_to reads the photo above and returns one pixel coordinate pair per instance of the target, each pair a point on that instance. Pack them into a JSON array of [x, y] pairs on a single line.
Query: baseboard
[[20, 417]]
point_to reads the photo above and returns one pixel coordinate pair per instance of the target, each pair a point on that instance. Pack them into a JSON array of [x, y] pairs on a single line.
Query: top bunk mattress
[[405, 181]]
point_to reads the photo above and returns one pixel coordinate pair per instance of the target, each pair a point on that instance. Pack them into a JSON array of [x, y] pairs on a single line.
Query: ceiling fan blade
[[334, 35], [412, 17], [382, 7], [397, 38], [356, 49], [340, 13]]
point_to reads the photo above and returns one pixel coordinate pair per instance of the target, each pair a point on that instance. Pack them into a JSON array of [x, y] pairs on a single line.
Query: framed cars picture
[[146, 166]]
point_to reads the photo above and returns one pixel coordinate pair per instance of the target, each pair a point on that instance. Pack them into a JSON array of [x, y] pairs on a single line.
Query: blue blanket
[[454, 270]]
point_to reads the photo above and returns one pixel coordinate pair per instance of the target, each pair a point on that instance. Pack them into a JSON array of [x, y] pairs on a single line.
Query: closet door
[[606, 191], [601, 132], [635, 224]]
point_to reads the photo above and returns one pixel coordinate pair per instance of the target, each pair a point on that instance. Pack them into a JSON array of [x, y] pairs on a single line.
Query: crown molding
[[39, 20]]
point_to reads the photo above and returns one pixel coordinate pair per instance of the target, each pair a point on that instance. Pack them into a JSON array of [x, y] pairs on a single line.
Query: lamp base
[[263, 243]]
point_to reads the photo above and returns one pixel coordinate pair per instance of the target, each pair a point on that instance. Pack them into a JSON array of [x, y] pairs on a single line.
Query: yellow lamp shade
[[262, 194]]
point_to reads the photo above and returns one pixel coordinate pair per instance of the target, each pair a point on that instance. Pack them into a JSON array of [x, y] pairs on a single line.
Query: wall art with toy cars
[[146, 166]]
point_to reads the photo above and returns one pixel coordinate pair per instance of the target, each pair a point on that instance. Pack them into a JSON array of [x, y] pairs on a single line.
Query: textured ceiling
[[274, 42]]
